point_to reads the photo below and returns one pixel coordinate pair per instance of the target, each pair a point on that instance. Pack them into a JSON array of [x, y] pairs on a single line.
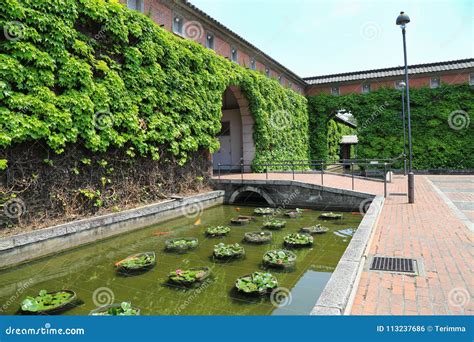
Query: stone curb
[[335, 297]]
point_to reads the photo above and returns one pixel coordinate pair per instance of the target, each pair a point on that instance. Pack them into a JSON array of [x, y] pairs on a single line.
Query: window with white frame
[[280, 79], [471, 78], [267, 71], [233, 54], [398, 84], [366, 88], [290, 84], [136, 5], [335, 91], [178, 23], [434, 82], [253, 64], [210, 41]]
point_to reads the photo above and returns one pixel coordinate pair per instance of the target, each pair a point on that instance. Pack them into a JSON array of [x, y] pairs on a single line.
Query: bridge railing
[[368, 169]]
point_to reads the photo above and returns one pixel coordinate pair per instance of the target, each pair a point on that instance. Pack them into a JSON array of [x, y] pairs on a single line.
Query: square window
[[178, 24], [136, 5], [210, 41], [398, 84], [366, 88], [253, 64], [233, 54], [335, 90], [434, 82]]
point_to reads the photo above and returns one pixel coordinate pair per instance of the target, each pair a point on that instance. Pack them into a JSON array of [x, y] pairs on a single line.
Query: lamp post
[[402, 20], [402, 86]]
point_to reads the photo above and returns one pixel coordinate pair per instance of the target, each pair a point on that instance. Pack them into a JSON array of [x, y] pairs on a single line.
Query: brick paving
[[427, 230]]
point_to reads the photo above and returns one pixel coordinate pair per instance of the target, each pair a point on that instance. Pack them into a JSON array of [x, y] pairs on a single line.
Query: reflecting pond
[[89, 270]]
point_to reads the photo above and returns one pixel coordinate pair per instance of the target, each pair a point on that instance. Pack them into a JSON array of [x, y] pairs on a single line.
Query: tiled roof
[[390, 72], [238, 37]]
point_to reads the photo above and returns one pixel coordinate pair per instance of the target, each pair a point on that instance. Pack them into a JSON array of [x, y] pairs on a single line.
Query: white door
[[224, 155]]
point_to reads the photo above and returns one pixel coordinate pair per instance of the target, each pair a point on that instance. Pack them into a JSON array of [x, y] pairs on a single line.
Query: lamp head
[[403, 19]]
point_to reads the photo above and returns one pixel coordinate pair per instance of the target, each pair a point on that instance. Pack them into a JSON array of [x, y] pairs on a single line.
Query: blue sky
[[317, 37]]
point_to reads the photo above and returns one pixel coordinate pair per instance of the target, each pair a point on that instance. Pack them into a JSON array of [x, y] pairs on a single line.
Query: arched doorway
[[236, 136]]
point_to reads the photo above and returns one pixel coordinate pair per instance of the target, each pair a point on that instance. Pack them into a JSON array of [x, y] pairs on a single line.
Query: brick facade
[[163, 12]]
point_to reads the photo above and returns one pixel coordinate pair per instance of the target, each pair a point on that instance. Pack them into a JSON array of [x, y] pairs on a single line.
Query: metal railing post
[[219, 170], [352, 172], [322, 173], [241, 169], [385, 180]]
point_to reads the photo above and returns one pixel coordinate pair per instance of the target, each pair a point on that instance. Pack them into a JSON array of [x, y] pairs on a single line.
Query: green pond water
[[89, 270]]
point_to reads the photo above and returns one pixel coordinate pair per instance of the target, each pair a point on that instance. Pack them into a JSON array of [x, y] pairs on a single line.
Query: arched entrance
[[236, 136]]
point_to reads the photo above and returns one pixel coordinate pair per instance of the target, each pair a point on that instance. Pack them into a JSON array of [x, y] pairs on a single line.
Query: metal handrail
[[321, 164]]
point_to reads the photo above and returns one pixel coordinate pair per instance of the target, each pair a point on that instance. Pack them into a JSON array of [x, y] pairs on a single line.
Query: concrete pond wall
[[42, 242]]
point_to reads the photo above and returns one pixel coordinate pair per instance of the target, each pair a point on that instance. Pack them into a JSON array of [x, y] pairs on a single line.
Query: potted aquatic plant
[[48, 302], [264, 211], [317, 229], [181, 244], [136, 263], [294, 213], [242, 219], [258, 237], [217, 231], [298, 240], [189, 276], [280, 258], [223, 251], [330, 216], [122, 309], [257, 283], [274, 224]]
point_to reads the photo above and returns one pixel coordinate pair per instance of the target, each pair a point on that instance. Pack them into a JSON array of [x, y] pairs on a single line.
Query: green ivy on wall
[[441, 129], [95, 73]]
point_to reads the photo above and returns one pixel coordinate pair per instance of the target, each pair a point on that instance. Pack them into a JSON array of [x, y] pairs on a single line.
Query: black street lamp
[[402, 20], [402, 85]]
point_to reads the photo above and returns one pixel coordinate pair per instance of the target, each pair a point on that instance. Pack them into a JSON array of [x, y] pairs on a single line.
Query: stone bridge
[[291, 194]]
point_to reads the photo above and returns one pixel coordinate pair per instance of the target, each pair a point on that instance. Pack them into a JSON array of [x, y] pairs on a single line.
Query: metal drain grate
[[393, 264]]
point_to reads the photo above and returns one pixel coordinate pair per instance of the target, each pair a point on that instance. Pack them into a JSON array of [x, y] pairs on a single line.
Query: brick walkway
[[428, 230]]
